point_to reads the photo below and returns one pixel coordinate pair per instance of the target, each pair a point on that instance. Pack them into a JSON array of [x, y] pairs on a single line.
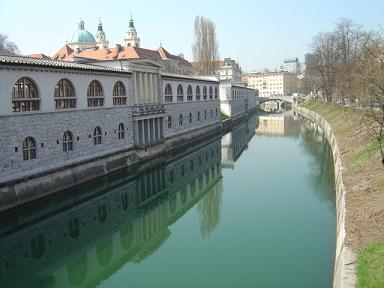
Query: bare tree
[[7, 47], [205, 45], [369, 80]]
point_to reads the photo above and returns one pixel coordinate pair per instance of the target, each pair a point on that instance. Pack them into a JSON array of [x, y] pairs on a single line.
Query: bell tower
[[101, 39], [131, 38]]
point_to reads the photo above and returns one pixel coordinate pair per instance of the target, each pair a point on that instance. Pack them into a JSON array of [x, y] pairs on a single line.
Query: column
[[151, 130], [137, 87], [161, 130], [150, 84], [155, 89], [145, 87], [140, 88], [157, 138], [146, 131]]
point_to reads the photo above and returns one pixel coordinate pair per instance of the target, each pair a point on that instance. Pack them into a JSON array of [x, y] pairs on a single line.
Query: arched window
[[210, 93], [67, 141], [25, 96], [29, 149], [205, 93], [95, 94], [97, 135], [211, 114], [64, 95], [120, 133], [119, 95], [190, 117], [169, 122], [189, 93], [168, 93], [180, 119], [198, 115], [205, 115], [180, 94], [198, 95], [216, 94]]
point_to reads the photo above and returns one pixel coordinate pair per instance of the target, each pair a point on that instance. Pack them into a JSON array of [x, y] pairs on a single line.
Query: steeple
[[131, 38], [101, 39], [81, 25]]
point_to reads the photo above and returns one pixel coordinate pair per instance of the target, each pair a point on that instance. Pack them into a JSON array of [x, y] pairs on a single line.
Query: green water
[[246, 210]]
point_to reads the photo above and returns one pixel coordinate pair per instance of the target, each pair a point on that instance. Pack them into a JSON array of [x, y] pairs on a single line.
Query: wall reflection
[[79, 239]]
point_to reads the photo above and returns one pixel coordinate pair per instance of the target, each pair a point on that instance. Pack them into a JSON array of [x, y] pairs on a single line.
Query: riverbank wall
[[344, 267], [26, 189]]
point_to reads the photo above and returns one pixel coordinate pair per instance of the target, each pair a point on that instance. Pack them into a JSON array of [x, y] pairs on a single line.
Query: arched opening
[[67, 141], [29, 148], [64, 95], [198, 95], [189, 93], [25, 96], [97, 136], [180, 94], [119, 94], [168, 93], [95, 94]]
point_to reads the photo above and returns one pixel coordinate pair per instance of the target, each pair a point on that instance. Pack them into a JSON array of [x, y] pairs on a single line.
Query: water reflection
[[80, 240]]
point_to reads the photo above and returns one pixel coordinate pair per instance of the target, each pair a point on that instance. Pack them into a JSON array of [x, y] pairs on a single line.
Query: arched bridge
[[288, 99]]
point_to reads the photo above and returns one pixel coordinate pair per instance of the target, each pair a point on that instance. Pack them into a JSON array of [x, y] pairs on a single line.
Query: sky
[[256, 33]]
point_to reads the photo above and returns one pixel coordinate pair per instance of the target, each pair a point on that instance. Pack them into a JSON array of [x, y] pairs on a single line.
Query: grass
[[366, 152], [224, 116], [370, 266]]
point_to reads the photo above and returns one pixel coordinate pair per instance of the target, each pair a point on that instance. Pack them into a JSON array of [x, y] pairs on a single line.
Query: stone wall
[[344, 268]]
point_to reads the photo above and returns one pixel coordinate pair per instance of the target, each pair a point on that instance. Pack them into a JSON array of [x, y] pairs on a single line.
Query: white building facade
[[273, 84]]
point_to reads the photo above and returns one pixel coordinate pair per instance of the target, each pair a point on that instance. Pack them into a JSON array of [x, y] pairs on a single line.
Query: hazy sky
[[258, 33]]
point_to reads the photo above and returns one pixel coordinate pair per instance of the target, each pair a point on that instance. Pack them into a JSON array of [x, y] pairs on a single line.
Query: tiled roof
[[119, 53], [39, 55], [48, 62], [187, 77]]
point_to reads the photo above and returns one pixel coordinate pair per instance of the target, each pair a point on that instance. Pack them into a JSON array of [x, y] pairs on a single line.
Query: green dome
[[82, 36]]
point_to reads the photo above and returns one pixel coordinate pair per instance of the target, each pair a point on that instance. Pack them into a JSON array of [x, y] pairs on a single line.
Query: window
[[210, 93], [211, 114], [189, 93], [180, 94], [95, 94], [205, 93], [67, 141], [64, 95], [29, 149], [190, 117], [216, 112], [181, 120], [198, 93], [97, 136], [169, 122], [205, 115], [119, 95], [216, 94], [25, 96], [168, 93], [198, 115], [120, 133]]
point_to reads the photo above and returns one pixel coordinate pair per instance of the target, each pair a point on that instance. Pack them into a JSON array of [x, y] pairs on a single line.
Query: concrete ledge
[[344, 275]]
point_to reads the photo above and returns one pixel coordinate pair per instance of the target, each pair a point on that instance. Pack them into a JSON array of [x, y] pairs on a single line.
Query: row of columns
[[146, 88], [150, 131]]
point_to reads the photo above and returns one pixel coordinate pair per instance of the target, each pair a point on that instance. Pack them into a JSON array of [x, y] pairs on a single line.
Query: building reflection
[[80, 240], [279, 124], [235, 142]]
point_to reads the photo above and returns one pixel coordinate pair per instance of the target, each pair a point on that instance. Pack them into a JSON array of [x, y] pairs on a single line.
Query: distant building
[[245, 79], [292, 66], [311, 61], [226, 69], [272, 84]]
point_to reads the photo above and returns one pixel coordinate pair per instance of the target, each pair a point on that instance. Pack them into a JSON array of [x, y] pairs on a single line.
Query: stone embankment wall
[[345, 259]]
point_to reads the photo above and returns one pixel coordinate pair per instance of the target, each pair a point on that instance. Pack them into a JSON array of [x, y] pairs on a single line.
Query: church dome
[[82, 36]]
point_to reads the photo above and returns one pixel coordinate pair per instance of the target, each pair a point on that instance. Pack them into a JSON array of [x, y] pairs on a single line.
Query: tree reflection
[[321, 172], [209, 209]]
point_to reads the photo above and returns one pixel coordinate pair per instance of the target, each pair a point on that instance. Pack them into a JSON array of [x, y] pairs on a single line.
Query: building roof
[[50, 63], [119, 53], [187, 77]]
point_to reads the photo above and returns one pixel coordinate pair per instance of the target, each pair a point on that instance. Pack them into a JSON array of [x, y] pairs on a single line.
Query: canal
[[254, 208]]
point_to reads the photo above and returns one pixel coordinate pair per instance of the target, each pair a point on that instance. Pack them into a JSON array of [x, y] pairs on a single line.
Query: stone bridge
[[278, 99]]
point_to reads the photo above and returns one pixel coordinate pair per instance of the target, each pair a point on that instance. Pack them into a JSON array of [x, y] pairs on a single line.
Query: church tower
[[131, 38], [101, 39]]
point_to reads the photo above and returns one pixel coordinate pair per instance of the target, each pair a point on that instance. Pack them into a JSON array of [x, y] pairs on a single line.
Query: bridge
[[277, 99]]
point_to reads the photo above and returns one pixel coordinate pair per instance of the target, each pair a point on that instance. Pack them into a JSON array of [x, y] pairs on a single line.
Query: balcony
[[148, 109]]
